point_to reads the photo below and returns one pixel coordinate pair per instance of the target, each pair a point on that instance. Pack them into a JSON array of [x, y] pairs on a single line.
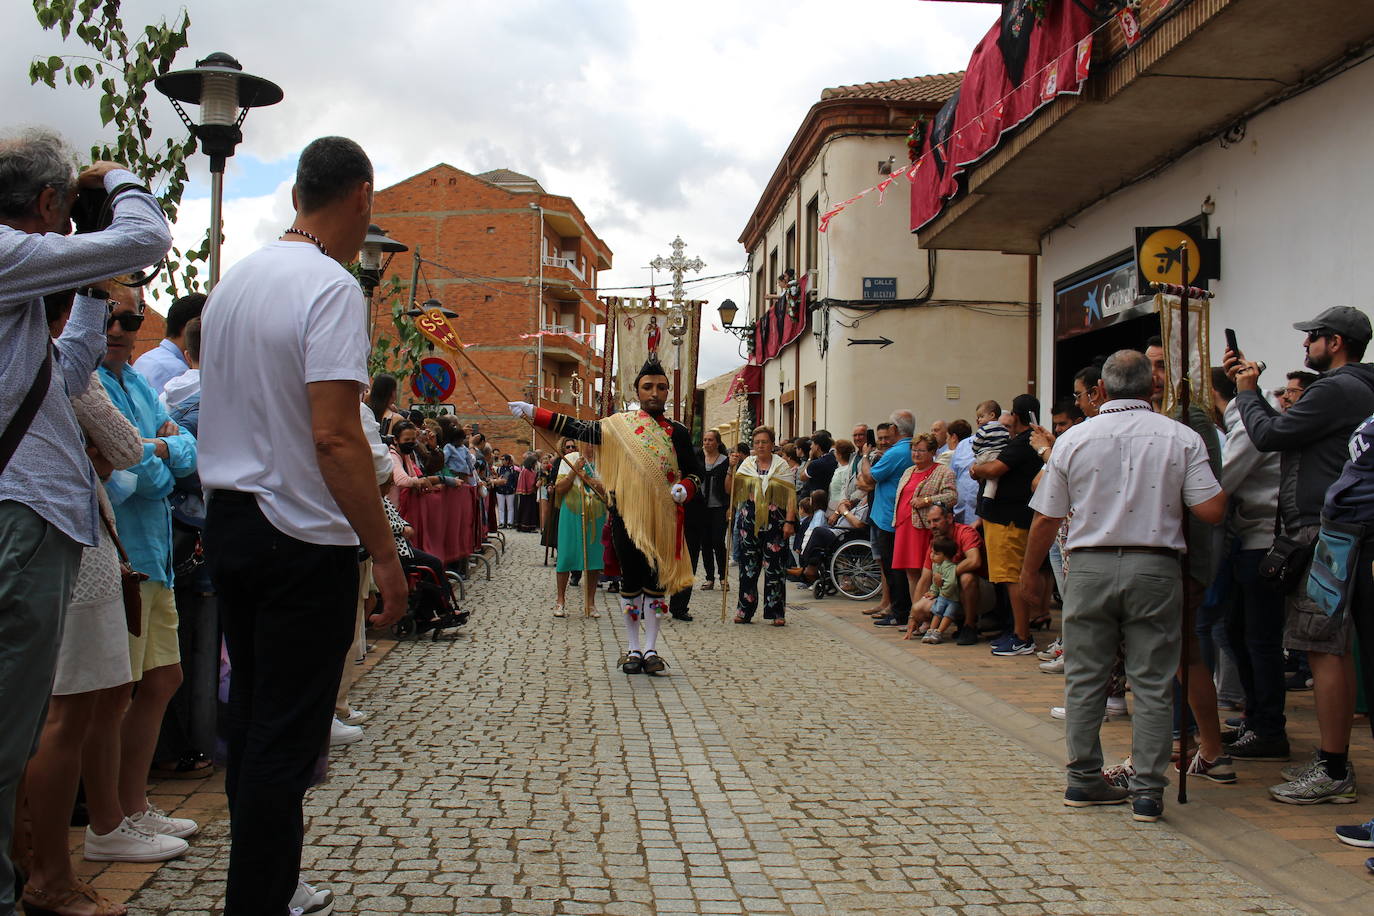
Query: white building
[[1252, 118], [958, 341]]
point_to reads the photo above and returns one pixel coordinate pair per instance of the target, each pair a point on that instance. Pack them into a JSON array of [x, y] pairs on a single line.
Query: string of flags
[[1127, 19]]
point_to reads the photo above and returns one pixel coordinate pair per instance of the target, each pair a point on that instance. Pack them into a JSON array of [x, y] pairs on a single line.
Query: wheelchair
[[432, 605], [851, 570]]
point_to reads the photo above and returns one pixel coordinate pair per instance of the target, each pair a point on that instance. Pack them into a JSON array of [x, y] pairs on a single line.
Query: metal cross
[[677, 265]]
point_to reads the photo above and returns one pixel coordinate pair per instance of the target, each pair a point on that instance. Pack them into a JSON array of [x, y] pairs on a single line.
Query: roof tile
[[937, 87]]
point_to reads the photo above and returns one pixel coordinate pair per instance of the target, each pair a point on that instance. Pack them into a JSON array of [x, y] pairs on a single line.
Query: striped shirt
[[50, 472]]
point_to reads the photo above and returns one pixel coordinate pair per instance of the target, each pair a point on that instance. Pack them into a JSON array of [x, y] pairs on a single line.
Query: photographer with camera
[[48, 508]]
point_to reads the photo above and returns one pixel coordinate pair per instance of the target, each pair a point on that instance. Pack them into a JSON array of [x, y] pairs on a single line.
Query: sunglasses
[[1318, 334], [129, 321]]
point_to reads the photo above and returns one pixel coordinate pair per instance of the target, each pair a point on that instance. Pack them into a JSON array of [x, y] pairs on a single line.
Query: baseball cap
[[1344, 320]]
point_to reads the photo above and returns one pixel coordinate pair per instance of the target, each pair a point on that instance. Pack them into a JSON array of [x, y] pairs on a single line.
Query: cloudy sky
[[659, 119]]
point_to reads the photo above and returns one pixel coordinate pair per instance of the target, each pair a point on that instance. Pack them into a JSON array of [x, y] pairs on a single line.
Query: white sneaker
[[310, 901], [355, 717], [129, 843], [155, 820], [1053, 667], [341, 733], [1052, 651], [1116, 707]]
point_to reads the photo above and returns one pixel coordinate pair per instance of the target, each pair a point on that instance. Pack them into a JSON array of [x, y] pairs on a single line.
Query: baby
[[992, 436], [945, 587]]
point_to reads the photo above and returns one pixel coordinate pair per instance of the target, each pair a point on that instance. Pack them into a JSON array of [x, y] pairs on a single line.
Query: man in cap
[[1312, 436], [650, 472]]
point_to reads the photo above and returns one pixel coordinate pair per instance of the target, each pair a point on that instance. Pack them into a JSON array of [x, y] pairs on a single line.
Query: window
[[790, 248], [813, 233], [760, 290], [491, 230], [772, 266], [486, 298], [453, 181]]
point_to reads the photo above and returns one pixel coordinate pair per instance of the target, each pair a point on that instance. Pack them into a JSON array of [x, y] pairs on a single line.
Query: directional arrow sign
[[880, 341]]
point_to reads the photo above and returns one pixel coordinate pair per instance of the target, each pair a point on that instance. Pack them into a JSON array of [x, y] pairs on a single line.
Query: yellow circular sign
[[1161, 257]]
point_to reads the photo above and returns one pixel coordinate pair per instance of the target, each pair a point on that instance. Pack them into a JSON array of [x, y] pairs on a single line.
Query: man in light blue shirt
[[886, 474], [960, 460], [48, 508], [167, 360]]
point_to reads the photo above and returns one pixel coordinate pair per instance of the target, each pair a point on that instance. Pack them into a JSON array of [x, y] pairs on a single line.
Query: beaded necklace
[[1124, 409], [301, 232]]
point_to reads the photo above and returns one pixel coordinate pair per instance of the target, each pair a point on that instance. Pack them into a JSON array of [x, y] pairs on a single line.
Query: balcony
[[1203, 67]]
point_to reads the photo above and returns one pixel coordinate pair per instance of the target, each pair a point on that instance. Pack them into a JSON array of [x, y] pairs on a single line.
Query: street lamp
[[371, 266], [224, 93], [727, 311]]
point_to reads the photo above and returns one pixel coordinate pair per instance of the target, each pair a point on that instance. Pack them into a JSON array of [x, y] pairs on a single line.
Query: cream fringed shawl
[[766, 488], [638, 467]]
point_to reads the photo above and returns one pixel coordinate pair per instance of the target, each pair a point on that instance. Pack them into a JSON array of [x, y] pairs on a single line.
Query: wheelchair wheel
[[855, 572]]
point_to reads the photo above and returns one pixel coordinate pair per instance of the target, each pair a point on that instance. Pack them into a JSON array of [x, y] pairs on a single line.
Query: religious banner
[[1198, 345], [434, 325], [644, 326]]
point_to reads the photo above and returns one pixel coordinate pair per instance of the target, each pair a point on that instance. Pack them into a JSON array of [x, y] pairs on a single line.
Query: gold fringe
[[633, 476]]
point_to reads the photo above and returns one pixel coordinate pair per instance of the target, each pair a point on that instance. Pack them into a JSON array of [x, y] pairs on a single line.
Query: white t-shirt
[[1129, 474], [283, 317]]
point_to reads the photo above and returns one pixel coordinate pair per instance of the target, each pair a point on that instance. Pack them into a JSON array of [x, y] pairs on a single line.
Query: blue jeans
[[1255, 628], [947, 607]]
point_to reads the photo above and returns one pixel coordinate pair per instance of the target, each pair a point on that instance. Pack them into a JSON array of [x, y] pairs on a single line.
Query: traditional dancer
[[649, 470]]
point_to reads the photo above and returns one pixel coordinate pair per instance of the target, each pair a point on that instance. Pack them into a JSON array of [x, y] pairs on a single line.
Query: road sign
[[877, 288], [435, 381], [881, 342]]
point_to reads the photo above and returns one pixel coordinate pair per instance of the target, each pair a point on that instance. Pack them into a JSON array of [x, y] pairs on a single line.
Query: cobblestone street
[[771, 771]]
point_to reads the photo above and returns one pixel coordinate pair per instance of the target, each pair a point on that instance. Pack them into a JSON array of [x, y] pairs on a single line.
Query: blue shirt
[[49, 472], [139, 495], [161, 364], [966, 510], [458, 459], [887, 473]]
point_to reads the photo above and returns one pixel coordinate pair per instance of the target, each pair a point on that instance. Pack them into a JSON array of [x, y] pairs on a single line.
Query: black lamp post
[[727, 311], [224, 93], [371, 266]]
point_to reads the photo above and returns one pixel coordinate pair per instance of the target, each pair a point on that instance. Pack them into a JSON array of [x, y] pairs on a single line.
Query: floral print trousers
[[762, 552]]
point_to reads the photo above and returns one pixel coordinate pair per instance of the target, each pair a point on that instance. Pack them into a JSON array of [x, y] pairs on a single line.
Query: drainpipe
[[1033, 325]]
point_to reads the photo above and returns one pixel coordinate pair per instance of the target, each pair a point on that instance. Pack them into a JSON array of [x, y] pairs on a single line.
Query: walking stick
[[739, 397]]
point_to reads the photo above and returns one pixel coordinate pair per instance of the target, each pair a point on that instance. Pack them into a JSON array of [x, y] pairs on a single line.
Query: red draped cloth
[[446, 521]]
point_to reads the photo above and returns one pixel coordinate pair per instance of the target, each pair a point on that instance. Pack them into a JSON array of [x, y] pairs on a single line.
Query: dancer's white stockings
[[632, 608]]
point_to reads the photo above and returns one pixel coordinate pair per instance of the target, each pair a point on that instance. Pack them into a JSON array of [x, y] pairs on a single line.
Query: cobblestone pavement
[[773, 771]]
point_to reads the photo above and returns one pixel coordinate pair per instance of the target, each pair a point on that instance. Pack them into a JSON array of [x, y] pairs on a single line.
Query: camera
[[94, 207]]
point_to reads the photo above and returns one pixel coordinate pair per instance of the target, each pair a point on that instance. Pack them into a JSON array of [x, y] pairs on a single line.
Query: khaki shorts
[[158, 646], [1006, 550]]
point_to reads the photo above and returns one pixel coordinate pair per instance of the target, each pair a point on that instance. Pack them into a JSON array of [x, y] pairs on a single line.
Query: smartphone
[[872, 438], [1231, 342], [1035, 421]]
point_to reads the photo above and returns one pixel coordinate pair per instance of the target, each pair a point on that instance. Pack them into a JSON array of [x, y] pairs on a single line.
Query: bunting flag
[[586, 337], [1051, 87], [1083, 58], [435, 326], [1130, 25]]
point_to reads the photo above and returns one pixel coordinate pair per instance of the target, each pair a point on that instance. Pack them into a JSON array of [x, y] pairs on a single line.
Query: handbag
[[130, 580], [1286, 563]]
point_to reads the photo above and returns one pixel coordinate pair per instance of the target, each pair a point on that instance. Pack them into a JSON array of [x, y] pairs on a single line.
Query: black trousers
[[637, 574], [713, 543], [677, 605], [897, 588], [287, 609]]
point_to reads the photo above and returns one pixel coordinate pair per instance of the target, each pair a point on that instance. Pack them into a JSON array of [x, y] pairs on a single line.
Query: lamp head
[[375, 245], [224, 93], [728, 310]]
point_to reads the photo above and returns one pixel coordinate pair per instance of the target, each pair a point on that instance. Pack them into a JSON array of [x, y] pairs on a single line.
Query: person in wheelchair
[[846, 522], [431, 601]]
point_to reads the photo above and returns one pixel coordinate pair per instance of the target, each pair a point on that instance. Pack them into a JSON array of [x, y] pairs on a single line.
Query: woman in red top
[[924, 484]]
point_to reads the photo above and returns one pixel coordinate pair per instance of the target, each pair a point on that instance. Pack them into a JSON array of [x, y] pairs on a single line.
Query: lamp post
[[727, 311], [224, 93], [371, 266]]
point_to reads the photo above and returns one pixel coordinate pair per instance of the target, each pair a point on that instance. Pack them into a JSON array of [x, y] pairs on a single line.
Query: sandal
[[192, 766], [631, 662], [708, 585], [558, 611], [45, 903], [653, 663], [740, 618], [779, 622]]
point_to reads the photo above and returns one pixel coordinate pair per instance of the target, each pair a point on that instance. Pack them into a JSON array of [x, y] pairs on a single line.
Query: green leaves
[[124, 70]]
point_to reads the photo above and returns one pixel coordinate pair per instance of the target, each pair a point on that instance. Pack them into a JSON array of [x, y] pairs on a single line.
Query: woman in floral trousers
[[764, 506]]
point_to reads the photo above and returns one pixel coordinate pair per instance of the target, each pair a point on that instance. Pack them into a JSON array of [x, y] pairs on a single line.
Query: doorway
[[1073, 353]]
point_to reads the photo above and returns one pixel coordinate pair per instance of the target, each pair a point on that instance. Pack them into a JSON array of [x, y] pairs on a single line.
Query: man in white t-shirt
[[291, 493]]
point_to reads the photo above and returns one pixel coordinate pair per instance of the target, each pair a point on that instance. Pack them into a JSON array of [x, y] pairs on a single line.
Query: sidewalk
[[202, 800], [1018, 682]]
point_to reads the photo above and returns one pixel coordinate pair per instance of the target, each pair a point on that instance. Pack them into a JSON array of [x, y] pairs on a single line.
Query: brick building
[[487, 245], [151, 334]]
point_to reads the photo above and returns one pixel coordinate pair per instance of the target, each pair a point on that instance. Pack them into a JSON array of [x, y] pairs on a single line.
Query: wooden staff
[[730, 509], [1185, 400], [588, 591]]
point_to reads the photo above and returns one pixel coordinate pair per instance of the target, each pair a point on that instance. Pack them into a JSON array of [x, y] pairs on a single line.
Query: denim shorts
[[945, 607]]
